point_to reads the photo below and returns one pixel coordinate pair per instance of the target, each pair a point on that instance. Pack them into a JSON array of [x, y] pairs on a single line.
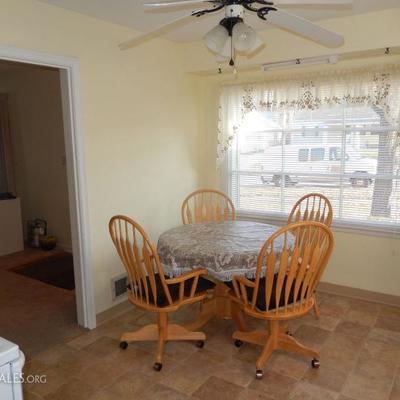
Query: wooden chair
[[284, 287], [312, 207], [151, 291], [205, 205]]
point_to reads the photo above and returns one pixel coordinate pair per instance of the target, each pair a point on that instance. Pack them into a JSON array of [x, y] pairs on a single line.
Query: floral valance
[[375, 86]]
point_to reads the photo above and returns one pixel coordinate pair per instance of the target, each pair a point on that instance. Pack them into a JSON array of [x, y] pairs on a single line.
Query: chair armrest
[[244, 281], [240, 283], [181, 280], [187, 275]]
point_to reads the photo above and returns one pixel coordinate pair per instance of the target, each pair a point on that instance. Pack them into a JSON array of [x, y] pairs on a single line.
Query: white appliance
[[12, 361]]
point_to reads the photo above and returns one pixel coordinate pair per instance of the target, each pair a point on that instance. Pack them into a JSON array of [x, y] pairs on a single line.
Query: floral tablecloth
[[225, 248]]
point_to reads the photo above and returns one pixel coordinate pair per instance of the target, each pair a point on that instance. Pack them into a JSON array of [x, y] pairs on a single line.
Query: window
[[303, 155], [334, 154], [350, 153], [317, 154]]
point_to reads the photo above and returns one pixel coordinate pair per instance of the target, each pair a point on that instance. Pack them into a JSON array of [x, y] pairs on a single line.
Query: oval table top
[[225, 248]]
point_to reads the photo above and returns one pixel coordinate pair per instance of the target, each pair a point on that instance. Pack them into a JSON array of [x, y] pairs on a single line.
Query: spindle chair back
[[207, 205], [312, 207]]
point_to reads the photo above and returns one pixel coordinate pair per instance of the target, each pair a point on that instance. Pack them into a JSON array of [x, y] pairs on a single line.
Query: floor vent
[[118, 286]]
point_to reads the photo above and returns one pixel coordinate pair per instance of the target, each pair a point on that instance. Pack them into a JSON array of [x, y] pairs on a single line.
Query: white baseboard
[[113, 312]]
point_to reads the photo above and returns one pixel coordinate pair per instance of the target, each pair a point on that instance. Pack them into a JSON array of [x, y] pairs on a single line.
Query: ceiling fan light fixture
[[221, 59], [216, 39], [245, 38], [227, 49], [255, 44]]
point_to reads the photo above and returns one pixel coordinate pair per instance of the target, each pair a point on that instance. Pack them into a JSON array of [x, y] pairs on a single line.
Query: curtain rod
[[347, 56], [265, 78]]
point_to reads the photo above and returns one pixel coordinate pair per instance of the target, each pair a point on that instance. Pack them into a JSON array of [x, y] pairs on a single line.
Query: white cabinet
[[11, 234], [11, 363], [6, 389]]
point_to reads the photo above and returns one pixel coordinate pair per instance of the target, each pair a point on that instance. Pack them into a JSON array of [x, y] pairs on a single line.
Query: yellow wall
[[37, 136], [365, 262], [359, 260], [139, 114]]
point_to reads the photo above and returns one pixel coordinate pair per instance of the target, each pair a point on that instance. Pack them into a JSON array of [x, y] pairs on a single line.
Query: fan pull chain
[[232, 61]]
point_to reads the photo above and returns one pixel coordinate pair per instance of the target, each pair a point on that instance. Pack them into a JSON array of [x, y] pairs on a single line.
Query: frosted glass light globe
[[245, 39], [216, 39]]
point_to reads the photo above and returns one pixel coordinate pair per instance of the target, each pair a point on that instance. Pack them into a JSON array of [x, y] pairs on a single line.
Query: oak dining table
[[225, 249]]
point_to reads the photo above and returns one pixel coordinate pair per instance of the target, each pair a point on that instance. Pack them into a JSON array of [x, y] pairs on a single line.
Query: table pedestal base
[[220, 306]]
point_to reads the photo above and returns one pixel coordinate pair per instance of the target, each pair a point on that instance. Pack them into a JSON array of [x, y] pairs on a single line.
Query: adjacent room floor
[[359, 344], [33, 314]]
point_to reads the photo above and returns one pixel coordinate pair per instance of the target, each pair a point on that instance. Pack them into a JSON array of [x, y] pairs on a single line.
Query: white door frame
[[74, 148]]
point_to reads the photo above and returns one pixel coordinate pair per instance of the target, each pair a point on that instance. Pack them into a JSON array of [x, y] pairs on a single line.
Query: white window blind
[[348, 152]]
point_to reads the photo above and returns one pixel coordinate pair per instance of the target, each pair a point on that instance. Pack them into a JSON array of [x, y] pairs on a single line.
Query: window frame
[[280, 219]]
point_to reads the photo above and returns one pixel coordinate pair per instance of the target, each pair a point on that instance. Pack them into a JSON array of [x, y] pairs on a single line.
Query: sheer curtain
[[377, 87]]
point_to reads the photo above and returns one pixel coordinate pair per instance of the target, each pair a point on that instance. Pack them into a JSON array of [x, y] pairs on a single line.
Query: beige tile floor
[[359, 344], [33, 314]]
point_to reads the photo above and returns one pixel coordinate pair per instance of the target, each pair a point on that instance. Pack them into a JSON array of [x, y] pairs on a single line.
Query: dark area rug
[[57, 271]]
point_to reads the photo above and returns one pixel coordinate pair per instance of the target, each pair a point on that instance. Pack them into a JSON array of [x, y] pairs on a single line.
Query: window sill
[[389, 231]]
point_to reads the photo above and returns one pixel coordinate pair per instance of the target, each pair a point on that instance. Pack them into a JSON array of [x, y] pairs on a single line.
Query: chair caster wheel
[[238, 343], [157, 366], [123, 345], [315, 363], [200, 344], [289, 333], [259, 374]]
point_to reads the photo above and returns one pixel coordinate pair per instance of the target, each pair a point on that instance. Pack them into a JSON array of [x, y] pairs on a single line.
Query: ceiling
[[130, 13]]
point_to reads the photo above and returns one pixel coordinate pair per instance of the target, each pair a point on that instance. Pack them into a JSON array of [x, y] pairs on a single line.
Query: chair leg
[[148, 332], [238, 317], [289, 343], [317, 310], [265, 354], [162, 335], [273, 340], [161, 332], [269, 347], [152, 332]]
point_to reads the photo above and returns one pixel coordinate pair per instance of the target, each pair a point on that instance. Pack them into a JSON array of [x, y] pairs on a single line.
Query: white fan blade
[[316, 3], [177, 3], [304, 28], [156, 32]]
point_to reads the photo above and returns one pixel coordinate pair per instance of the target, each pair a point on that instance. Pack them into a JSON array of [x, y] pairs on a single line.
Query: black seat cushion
[[260, 303], [162, 301]]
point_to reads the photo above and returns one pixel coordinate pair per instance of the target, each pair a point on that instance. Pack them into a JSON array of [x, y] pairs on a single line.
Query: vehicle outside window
[[317, 154], [303, 155]]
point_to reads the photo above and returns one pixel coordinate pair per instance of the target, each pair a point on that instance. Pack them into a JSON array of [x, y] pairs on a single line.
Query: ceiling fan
[[233, 35]]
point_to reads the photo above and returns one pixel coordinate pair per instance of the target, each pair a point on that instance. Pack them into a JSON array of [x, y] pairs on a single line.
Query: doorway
[[68, 70]]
